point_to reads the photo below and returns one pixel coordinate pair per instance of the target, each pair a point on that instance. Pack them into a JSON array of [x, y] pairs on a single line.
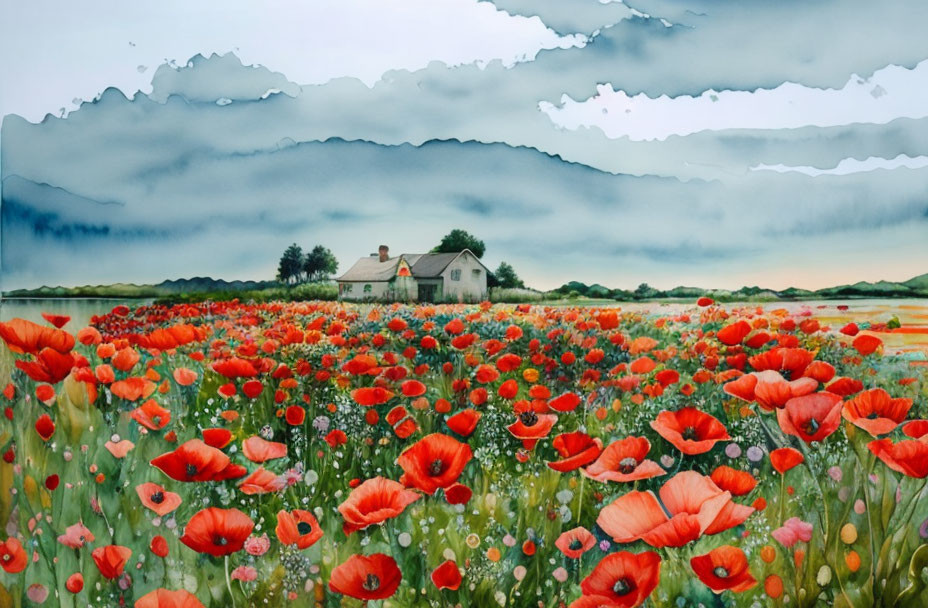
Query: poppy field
[[228, 454]]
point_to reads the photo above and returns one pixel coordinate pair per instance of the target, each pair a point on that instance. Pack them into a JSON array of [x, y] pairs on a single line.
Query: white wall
[[471, 287]]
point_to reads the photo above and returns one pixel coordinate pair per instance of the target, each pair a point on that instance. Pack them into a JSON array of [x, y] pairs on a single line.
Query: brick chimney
[[384, 252]]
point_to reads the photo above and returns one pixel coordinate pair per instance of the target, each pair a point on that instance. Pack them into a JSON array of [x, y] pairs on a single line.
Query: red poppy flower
[[371, 395], [157, 499], [732, 480], [45, 427], [574, 543], [626, 579], [184, 376], [13, 557], [784, 459], [162, 598], [151, 415], [159, 546], [125, 359], [217, 531], [909, 457], [193, 460], [576, 449], [769, 389], [464, 422], [696, 505], [690, 430], [373, 502], [49, 366], [295, 415], [876, 411], [812, 417], [916, 429], [298, 528], [567, 402], [412, 388], [866, 344], [790, 362], [458, 494], [22, 336], [366, 577], [234, 367], [508, 389], [58, 321], [111, 560], [253, 389], [217, 437], [529, 427], [75, 583], [133, 388], [820, 370], [262, 481], [724, 568], [447, 576], [624, 461], [336, 438], [257, 449], [435, 461], [845, 386]]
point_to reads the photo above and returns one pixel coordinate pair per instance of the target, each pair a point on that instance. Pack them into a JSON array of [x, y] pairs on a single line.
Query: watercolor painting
[[464, 303]]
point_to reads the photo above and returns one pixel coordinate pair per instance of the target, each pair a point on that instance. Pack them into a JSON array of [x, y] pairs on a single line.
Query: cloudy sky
[[664, 141]]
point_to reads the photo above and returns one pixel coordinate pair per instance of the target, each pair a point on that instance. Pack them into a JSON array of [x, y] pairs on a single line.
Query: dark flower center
[[690, 433], [787, 374], [304, 528], [872, 416], [812, 426], [156, 419], [220, 541], [371, 583], [436, 467], [529, 418], [575, 544], [623, 586], [720, 572], [191, 470], [627, 465], [157, 498]]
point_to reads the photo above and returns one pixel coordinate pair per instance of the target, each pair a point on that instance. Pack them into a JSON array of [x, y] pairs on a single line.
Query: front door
[[426, 293]]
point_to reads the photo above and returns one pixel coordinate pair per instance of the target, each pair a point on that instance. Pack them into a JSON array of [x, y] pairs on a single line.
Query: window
[[348, 287], [367, 288], [456, 274], [476, 273]]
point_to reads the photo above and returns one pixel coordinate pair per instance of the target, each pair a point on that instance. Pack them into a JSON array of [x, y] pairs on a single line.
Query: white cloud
[[55, 52], [892, 92]]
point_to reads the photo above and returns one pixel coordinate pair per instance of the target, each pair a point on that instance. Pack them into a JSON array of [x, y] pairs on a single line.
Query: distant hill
[[203, 287], [131, 290], [916, 287]]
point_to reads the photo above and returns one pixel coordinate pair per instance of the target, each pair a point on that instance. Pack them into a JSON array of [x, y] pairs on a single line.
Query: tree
[[506, 276], [320, 263], [290, 269], [459, 240], [645, 291]]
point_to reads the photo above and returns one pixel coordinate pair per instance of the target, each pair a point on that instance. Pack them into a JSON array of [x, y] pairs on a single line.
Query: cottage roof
[[423, 266]]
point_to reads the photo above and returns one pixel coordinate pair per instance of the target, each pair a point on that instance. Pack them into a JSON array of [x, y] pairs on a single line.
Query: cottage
[[422, 277]]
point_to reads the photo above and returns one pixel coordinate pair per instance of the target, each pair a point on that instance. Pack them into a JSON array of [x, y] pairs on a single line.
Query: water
[[79, 309]]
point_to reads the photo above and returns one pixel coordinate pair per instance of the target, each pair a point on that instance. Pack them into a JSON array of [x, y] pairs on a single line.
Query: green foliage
[[506, 276], [459, 240], [320, 263], [290, 268]]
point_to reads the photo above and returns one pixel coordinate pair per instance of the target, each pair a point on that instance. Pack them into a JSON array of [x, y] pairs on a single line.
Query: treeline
[[295, 267], [916, 287]]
